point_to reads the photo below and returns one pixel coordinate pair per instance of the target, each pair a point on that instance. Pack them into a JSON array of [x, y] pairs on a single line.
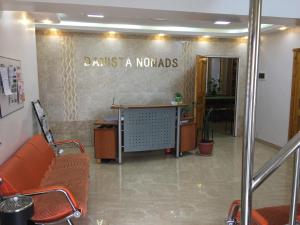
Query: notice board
[[12, 94]]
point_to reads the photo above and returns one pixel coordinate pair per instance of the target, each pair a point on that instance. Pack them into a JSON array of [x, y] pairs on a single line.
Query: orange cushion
[[35, 161], [42, 145], [15, 175], [275, 215], [50, 208], [278, 215], [72, 172], [27, 167], [71, 161]]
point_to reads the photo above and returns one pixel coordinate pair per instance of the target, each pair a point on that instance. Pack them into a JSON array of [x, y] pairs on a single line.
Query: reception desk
[[148, 127]]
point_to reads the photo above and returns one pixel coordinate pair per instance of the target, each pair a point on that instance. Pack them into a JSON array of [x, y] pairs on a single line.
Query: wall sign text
[[138, 62]]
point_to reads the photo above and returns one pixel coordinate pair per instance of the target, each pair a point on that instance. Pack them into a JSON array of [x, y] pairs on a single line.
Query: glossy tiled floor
[[151, 188]]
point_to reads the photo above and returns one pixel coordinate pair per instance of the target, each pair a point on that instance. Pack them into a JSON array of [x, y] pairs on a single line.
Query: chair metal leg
[[70, 222]]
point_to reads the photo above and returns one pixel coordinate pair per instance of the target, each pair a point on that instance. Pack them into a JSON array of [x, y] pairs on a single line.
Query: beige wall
[[75, 96], [17, 40], [274, 92]]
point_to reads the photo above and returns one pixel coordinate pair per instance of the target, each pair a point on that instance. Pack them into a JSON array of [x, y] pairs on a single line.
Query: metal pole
[[250, 99], [178, 132], [293, 209], [119, 136], [70, 222]]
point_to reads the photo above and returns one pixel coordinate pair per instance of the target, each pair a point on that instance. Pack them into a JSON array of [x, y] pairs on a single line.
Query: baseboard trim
[[268, 143]]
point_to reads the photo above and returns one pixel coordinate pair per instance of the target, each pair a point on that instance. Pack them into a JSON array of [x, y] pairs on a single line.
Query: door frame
[[237, 97]]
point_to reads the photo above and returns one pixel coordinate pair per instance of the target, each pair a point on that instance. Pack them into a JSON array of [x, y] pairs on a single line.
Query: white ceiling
[[178, 17]]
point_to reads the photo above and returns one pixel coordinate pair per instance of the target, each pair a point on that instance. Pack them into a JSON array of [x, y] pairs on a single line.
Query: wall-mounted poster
[[12, 94]]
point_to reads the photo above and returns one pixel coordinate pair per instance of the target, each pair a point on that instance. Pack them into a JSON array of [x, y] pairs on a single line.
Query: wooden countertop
[[146, 106], [104, 122]]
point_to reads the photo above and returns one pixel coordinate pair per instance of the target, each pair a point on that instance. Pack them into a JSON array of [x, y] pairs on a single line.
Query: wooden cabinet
[[105, 143], [188, 137]]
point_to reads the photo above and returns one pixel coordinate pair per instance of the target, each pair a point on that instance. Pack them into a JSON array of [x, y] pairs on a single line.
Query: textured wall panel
[[68, 76], [189, 72]]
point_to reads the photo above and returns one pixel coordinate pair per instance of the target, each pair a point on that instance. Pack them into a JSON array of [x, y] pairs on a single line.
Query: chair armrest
[[46, 190], [234, 215], [73, 141], [257, 218]]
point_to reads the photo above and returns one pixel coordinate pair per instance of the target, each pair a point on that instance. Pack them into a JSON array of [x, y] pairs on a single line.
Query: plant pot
[[168, 151], [206, 148]]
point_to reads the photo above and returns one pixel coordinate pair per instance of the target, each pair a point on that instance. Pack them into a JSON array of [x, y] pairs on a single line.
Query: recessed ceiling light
[[95, 16], [25, 19], [161, 35], [61, 15], [206, 36], [53, 29], [159, 19], [47, 21], [220, 22], [31, 29], [283, 28], [112, 32]]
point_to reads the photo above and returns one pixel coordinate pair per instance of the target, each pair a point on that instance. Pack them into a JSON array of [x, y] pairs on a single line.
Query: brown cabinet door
[[200, 91], [105, 143], [295, 96], [188, 137]]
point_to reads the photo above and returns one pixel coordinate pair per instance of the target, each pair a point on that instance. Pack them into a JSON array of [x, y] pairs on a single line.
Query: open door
[[295, 96], [200, 91]]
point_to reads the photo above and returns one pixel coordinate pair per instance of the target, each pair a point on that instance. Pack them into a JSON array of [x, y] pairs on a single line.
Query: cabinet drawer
[[105, 143]]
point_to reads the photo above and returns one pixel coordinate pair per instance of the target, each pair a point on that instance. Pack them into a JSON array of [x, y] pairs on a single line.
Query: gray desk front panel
[[149, 129]]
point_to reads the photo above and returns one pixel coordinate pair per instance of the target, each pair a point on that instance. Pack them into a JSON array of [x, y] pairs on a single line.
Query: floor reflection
[[153, 188]]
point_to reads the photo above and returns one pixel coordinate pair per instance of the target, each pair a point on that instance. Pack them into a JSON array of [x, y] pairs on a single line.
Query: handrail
[[272, 165], [250, 105], [292, 147], [295, 189], [249, 182]]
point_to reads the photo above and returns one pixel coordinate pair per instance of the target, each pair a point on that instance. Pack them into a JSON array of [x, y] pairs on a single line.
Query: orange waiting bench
[[57, 183]]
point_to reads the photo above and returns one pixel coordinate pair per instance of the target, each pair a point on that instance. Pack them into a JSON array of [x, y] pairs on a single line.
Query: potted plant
[[178, 98], [214, 86], [206, 143]]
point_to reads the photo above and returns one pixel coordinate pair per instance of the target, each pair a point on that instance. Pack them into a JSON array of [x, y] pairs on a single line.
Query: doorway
[[295, 96], [216, 91]]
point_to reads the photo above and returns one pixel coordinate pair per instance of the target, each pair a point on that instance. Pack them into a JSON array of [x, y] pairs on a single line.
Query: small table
[[16, 210], [102, 122]]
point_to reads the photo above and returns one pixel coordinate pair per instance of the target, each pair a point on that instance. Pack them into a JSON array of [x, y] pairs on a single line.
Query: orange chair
[[276, 215], [58, 184], [234, 215]]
